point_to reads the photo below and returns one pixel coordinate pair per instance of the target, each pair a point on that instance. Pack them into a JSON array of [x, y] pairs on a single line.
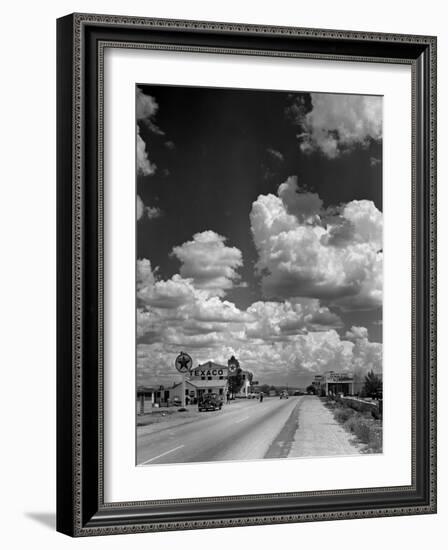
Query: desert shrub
[[375, 442], [361, 424], [359, 428], [342, 414], [362, 432], [350, 424]]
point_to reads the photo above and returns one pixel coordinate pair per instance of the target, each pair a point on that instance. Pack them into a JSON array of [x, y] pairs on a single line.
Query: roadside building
[[210, 386], [334, 383], [209, 377], [149, 396], [145, 398], [190, 392]]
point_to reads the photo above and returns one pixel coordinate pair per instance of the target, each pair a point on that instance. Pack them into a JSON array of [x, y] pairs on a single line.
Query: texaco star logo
[[183, 362]]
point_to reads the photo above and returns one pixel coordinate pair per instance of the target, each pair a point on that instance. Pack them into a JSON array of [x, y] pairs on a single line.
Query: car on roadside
[[210, 402], [252, 395], [284, 395]]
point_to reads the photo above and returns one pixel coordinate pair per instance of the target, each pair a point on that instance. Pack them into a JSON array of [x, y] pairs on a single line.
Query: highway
[[245, 430]]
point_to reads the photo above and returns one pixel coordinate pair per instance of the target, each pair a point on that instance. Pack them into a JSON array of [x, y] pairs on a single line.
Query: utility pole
[[183, 390]]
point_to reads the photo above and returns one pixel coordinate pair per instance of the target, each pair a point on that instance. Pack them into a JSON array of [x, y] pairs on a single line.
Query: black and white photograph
[[226, 236], [258, 274]]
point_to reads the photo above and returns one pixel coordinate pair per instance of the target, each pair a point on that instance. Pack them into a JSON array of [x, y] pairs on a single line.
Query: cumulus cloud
[[145, 105], [151, 212], [145, 276], [177, 304], [337, 122], [304, 205], [140, 207], [209, 263], [170, 294], [270, 338], [176, 312], [302, 253], [366, 355], [310, 354], [146, 108], [357, 333], [144, 166], [277, 321]]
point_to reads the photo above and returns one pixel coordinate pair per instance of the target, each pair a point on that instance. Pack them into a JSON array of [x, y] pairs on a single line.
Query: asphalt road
[[251, 430]]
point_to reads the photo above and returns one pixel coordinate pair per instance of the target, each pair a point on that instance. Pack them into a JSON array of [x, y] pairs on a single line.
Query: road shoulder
[[319, 434]]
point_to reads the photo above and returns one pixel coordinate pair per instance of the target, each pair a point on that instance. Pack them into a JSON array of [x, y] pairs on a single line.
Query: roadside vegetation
[[362, 424]]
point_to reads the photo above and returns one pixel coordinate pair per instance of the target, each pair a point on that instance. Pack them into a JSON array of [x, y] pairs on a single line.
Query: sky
[[259, 231]]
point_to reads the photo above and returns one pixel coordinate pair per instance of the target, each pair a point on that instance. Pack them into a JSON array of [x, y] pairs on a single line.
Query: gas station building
[[210, 377]]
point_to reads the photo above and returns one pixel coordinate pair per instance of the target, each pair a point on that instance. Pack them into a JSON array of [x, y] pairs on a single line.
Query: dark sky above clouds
[[284, 190]]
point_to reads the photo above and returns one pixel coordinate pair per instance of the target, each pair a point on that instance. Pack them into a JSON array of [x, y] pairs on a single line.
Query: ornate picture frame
[[81, 506]]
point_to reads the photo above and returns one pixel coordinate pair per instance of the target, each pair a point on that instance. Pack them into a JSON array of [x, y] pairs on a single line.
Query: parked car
[[252, 396], [210, 402], [284, 395]]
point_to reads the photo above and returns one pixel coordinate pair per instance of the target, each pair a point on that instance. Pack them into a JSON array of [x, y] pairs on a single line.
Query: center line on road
[[159, 456], [241, 419]]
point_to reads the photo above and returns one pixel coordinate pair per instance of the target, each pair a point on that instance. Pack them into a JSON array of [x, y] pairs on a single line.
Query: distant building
[[334, 383], [338, 383]]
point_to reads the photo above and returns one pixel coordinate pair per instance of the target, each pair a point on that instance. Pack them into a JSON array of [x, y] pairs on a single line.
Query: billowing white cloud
[[140, 207], [270, 338], [338, 122], [366, 355], [145, 105], [304, 205], [146, 108], [170, 294], [144, 166], [277, 321], [209, 263], [357, 333], [176, 312], [304, 253]]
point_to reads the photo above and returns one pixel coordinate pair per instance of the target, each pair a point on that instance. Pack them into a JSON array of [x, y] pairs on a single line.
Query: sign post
[[183, 364]]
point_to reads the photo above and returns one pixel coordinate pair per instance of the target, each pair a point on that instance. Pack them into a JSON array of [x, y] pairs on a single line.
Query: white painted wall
[[27, 299]]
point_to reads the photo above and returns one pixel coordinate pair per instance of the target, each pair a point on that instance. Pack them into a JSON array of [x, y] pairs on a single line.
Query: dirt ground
[[319, 434]]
